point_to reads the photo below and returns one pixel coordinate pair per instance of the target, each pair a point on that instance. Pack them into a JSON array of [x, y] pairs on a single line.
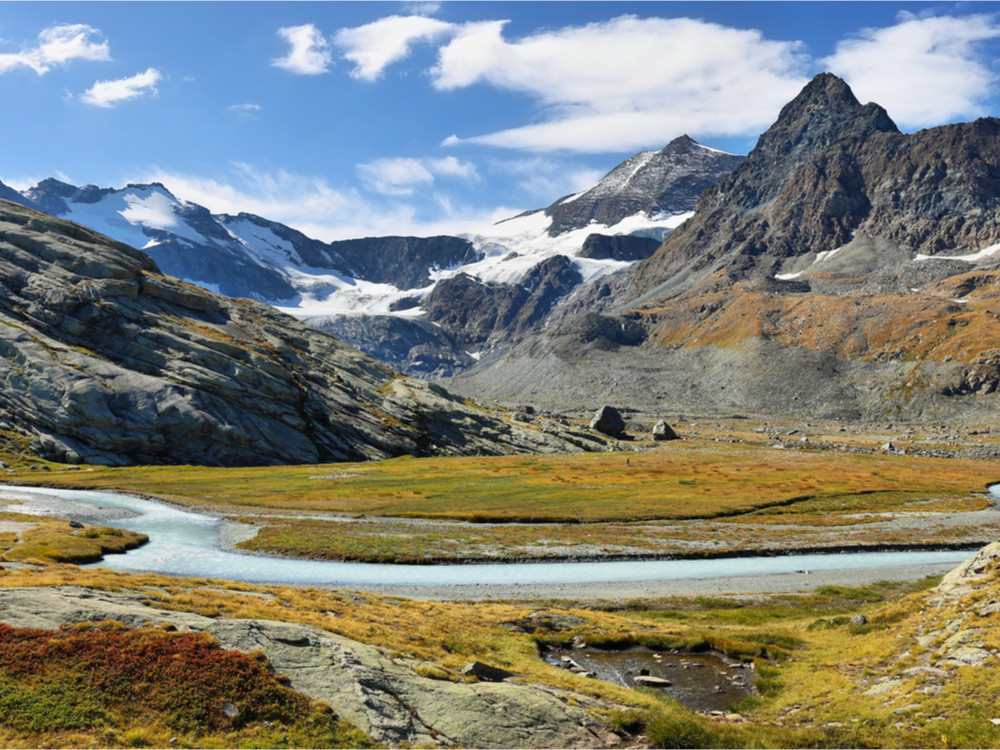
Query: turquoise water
[[187, 544]]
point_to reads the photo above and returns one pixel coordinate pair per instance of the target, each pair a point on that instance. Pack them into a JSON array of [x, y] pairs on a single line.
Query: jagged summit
[[824, 112], [667, 181]]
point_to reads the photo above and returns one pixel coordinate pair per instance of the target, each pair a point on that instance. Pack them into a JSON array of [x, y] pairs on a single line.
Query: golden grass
[[679, 481]]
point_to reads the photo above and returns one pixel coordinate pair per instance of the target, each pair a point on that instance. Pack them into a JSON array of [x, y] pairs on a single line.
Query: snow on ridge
[[266, 247], [973, 258]]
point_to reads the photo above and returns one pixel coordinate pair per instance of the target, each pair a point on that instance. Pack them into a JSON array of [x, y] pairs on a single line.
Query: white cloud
[[312, 205], [110, 93], [924, 70], [58, 45], [375, 46], [403, 176], [545, 179], [244, 110], [310, 53], [626, 83]]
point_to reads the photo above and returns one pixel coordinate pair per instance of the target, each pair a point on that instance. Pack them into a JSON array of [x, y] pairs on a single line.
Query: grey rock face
[[476, 312], [618, 247], [608, 420], [414, 345], [665, 181], [105, 360]]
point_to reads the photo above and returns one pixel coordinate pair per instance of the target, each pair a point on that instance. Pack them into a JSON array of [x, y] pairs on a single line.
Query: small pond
[[701, 681]]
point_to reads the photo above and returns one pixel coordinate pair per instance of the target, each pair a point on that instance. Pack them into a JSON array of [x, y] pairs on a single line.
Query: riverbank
[[624, 591]]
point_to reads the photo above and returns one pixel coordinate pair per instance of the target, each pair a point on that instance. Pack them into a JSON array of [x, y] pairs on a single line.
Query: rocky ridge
[[103, 359], [650, 183]]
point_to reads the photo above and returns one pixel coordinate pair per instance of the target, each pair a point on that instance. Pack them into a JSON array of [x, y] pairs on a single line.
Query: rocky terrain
[[104, 359], [843, 270], [385, 698], [650, 183]]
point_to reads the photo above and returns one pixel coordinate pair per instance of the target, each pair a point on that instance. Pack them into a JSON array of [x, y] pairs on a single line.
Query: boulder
[[663, 431], [651, 681], [486, 672], [608, 421]]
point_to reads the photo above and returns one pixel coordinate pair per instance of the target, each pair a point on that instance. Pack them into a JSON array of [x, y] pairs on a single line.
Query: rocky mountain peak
[[825, 112], [667, 181]]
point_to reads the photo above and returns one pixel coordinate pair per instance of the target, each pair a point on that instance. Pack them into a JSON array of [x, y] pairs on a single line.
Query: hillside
[[104, 359]]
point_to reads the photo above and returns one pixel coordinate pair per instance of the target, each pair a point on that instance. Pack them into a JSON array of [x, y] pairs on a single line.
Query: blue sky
[[355, 119]]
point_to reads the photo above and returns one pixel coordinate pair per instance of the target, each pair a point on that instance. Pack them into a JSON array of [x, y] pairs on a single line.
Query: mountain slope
[[103, 359], [843, 270]]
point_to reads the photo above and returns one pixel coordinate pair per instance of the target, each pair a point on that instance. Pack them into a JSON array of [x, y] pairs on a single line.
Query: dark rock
[[486, 672], [618, 247], [476, 313], [609, 421], [663, 431]]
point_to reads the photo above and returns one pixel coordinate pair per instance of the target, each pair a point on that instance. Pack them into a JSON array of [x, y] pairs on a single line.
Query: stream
[[187, 544]]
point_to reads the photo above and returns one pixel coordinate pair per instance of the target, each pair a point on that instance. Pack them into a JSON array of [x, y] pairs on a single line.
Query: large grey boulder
[[609, 421], [663, 431]]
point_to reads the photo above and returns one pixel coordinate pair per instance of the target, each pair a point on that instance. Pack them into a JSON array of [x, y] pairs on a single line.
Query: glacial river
[[187, 544]]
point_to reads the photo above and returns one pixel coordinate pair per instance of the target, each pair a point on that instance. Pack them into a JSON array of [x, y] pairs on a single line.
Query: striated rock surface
[[477, 313], [105, 360]]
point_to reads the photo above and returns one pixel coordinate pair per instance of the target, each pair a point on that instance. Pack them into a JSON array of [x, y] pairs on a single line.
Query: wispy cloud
[[375, 46], [403, 176], [923, 70], [244, 110], [544, 179], [312, 204], [58, 45], [110, 93], [310, 52]]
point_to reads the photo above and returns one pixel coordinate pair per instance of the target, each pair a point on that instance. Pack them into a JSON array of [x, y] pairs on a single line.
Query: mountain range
[[841, 270], [401, 298]]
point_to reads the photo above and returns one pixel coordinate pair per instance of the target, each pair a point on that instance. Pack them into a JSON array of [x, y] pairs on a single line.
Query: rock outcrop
[[103, 359], [385, 698]]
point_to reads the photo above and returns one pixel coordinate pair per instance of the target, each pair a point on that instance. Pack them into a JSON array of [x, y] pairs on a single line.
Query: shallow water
[[703, 682], [187, 544]]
